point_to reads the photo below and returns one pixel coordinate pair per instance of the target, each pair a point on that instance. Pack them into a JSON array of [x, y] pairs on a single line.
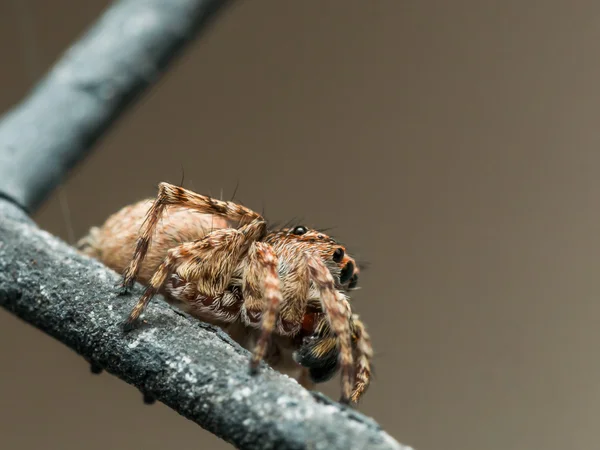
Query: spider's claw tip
[[124, 286], [129, 325], [149, 399], [345, 400], [123, 289], [254, 363]]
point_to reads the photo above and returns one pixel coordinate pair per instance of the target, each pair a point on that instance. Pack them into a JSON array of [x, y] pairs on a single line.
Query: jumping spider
[[282, 294]]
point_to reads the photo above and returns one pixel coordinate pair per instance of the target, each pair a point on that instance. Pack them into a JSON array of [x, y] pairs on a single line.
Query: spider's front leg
[[319, 353], [338, 314]]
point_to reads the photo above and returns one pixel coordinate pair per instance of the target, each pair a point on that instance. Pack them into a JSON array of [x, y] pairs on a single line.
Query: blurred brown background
[[453, 145]]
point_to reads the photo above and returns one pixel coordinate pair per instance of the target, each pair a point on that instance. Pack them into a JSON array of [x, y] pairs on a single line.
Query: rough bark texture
[[192, 367]]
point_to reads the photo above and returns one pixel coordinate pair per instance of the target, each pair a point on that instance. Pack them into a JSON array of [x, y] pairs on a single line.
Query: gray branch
[[89, 88], [194, 368]]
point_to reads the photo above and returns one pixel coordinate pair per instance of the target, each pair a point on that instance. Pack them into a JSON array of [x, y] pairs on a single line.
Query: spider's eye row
[[338, 255], [299, 230]]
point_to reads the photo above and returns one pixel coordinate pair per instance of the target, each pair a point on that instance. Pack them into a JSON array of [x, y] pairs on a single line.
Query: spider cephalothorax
[[291, 242], [282, 294]]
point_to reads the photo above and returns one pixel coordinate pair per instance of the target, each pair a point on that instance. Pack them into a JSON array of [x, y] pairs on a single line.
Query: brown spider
[[281, 294]]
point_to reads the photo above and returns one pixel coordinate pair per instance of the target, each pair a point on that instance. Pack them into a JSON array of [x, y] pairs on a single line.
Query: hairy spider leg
[[338, 313], [169, 194], [262, 296], [364, 353], [208, 263]]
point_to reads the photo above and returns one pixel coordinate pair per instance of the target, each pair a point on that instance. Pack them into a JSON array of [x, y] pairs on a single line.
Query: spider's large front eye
[[299, 230], [338, 255]]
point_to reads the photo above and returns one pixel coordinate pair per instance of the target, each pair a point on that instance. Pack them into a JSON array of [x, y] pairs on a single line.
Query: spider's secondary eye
[[338, 255], [299, 230]]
